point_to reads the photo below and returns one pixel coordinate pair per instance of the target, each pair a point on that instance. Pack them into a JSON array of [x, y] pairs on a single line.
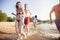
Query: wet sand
[[9, 34]]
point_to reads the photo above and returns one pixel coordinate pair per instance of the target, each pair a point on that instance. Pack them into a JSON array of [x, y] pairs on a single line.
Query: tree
[[10, 19], [3, 16]]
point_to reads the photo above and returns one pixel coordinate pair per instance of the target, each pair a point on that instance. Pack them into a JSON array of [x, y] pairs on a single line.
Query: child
[[35, 22]]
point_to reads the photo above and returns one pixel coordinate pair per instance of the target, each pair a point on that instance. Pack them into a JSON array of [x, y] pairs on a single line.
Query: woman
[[17, 23], [27, 17], [19, 18]]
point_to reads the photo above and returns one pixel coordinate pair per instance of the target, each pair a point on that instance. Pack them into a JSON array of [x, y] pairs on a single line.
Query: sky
[[41, 8]]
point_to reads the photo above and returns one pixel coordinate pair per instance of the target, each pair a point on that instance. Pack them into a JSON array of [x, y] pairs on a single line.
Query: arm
[[29, 11], [50, 15], [14, 14]]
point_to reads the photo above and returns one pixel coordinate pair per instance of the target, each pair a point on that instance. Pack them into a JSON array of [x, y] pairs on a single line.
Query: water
[[47, 26], [43, 32]]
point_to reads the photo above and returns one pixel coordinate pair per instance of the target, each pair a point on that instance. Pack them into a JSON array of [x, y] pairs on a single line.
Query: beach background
[[43, 32], [41, 8]]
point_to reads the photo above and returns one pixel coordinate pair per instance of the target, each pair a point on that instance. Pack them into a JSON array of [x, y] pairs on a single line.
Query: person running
[[35, 22], [56, 9], [27, 17], [19, 19], [18, 28]]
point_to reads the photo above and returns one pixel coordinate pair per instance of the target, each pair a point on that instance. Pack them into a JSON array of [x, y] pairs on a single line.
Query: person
[[19, 18], [35, 22], [56, 9], [18, 28], [27, 17]]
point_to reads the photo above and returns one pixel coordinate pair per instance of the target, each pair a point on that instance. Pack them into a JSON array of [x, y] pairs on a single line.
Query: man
[[56, 10]]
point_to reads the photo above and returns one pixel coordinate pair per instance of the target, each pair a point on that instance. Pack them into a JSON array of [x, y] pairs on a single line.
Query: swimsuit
[[57, 22]]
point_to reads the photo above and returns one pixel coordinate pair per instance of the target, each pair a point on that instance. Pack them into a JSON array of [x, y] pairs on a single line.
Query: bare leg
[[16, 27], [21, 31], [27, 28], [19, 27], [34, 26]]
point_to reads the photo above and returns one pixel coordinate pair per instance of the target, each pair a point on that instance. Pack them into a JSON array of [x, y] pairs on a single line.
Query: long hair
[[17, 3]]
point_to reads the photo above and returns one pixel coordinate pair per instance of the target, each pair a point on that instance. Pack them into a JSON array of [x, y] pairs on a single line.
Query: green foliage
[[39, 20], [30, 19], [10, 19], [3, 16]]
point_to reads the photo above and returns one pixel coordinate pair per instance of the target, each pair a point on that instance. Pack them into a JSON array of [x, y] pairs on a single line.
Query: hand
[[50, 21], [13, 13]]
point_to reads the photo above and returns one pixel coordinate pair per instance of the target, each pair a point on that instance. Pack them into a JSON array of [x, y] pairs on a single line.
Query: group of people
[[23, 19]]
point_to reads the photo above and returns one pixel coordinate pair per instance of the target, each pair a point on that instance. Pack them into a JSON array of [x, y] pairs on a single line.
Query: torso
[[35, 20], [27, 14], [57, 11], [18, 17]]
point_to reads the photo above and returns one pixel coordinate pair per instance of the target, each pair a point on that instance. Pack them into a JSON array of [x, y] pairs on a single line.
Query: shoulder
[[55, 6]]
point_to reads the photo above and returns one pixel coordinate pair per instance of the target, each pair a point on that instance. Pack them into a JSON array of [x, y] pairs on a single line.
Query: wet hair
[[17, 3]]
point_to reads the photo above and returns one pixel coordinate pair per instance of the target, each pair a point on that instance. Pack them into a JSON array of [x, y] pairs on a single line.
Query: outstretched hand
[[13, 13]]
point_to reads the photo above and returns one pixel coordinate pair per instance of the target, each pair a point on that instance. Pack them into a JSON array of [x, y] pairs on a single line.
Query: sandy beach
[[7, 32]]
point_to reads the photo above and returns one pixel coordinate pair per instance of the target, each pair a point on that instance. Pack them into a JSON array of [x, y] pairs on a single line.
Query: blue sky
[[37, 7]]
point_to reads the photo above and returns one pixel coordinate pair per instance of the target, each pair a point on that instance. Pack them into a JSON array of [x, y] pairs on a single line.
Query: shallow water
[[43, 32]]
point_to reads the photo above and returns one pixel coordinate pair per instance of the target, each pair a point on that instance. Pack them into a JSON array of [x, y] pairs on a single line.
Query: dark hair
[[17, 3], [35, 16]]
